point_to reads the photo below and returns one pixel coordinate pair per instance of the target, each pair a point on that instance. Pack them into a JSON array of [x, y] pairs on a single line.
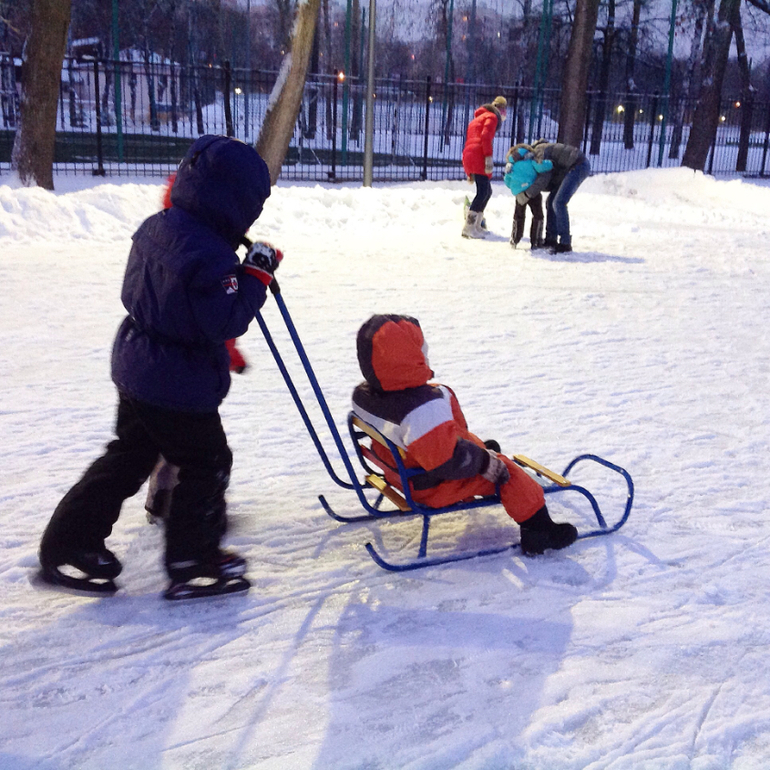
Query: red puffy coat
[[479, 139]]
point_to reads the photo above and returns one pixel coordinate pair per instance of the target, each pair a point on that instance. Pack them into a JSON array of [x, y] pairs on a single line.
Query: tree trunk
[[747, 96], [286, 98], [691, 83], [576, 70], [329, 61], [706, 118], [604, 80], [33, 147], [629, 116]]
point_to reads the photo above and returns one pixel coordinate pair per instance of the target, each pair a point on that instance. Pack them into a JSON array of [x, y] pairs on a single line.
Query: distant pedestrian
[[570, 169], [521, 171], [478, 163]]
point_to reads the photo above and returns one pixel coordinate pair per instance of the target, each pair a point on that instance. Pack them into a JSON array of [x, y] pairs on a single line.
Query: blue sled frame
[[412, 508]]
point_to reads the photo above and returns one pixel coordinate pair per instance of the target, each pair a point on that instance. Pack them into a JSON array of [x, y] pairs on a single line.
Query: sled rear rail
[[404, 504]]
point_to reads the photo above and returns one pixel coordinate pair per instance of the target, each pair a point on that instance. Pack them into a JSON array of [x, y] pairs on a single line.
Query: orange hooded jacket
[[426, 420]]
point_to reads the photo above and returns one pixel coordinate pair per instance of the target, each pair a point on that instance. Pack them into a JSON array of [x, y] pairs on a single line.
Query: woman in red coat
[[477, 160]]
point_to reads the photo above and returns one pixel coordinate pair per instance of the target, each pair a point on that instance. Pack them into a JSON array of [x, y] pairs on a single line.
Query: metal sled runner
[[400, 498]]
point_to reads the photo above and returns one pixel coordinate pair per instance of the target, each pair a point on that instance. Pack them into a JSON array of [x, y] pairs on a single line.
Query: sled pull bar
[[541, 470], [298, 401], [276, 291]]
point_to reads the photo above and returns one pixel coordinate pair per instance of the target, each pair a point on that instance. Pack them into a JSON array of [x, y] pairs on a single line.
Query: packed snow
[[648, 648]]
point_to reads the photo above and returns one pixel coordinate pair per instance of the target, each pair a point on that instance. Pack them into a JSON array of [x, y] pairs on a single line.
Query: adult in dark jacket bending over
[[570, 169], [424, 419], [186, 293]]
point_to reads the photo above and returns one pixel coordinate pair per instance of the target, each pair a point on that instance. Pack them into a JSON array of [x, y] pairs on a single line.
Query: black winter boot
[[536, 235], [99, 567], [540, 532], [223, 573]]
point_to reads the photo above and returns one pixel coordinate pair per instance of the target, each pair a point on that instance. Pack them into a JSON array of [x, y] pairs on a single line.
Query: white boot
[[472, 227]]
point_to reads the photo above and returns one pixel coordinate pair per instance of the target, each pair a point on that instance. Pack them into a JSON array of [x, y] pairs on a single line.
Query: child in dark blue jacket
[[521, 171], [186, 293]]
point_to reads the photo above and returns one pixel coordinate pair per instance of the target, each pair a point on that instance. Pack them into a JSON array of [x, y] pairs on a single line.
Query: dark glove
[[496, 471], [262, 261]]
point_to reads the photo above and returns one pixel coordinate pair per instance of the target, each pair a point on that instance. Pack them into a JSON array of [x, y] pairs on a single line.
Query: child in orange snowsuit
[[425, 419]]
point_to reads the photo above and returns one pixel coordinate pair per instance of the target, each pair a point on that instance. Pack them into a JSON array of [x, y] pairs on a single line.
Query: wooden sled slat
[[373, 434], [388, 491], [557, 478]]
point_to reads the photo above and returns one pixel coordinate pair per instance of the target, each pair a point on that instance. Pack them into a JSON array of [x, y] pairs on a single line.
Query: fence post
[[713, 147], [427, 128], [587, 121], [333, 172], [99, 171], [747, 118], [651, 140], [514, 110], [767, 140], [228, 113]]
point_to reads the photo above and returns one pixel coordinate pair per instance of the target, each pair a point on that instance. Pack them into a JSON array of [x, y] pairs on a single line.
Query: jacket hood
[[520, 151], [392, 353], [223, 183], [489, 108]]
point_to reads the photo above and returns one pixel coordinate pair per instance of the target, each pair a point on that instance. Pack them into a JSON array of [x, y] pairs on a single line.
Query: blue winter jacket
[[185, 290], [523, 170]]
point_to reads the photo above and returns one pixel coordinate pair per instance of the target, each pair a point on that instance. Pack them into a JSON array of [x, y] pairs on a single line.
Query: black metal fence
[[139, 117]]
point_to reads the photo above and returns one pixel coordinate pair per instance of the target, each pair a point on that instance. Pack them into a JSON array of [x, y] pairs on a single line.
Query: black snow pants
[[483, 192], [519, 216], [193, 441]]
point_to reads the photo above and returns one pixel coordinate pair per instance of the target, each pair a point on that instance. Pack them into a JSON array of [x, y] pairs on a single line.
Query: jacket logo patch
[[230, 284]]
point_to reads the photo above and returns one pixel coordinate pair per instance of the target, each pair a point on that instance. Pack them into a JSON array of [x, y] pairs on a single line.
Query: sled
[[399, 497], [403, 503]]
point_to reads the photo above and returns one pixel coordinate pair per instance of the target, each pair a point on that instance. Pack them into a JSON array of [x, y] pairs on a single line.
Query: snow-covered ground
[[649, 648]]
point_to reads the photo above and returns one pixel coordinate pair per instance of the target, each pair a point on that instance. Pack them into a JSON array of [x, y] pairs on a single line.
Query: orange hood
[[392, 353]]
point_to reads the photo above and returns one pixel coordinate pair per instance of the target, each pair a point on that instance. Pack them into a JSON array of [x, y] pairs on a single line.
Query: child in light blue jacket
[[521, 170]]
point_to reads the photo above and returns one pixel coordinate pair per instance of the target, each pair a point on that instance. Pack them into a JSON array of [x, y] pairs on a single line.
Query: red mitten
[[237, 361]]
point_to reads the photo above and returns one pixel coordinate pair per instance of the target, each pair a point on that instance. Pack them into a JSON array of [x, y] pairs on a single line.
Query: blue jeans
[[557, 223], [483, 192]]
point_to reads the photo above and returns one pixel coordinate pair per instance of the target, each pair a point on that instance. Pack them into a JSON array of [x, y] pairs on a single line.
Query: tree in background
[[286, 98], [576, 70], [706, 117], [33, 147], [631, 89], [601, 102]]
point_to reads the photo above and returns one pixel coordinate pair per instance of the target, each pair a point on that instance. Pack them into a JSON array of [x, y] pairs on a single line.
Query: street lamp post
[[369, 125], [247, 84], [667, 84], [118, 90]]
